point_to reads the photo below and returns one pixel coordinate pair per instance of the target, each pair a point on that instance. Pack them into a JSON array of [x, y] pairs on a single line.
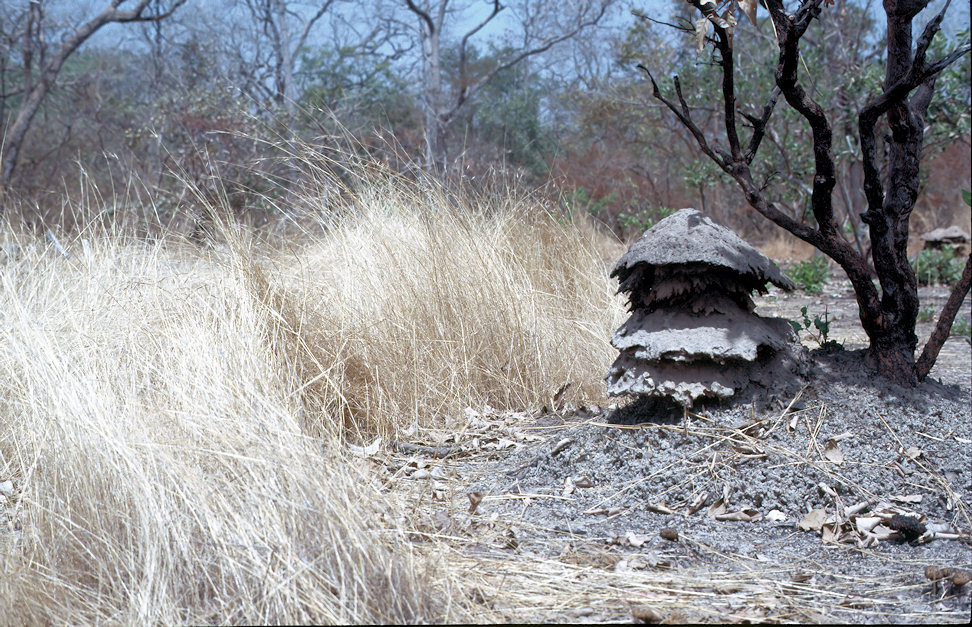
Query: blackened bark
[[888, 318], [944, 327]]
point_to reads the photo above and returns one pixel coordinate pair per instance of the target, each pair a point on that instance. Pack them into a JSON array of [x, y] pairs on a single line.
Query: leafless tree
[[42, 61], [889, 314], [285, 30], [539, 27]]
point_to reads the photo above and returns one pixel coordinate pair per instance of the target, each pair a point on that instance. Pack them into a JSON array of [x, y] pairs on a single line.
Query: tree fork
[[889, 317]]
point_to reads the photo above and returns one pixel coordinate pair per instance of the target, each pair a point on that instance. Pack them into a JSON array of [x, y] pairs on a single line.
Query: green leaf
[[967, 197]]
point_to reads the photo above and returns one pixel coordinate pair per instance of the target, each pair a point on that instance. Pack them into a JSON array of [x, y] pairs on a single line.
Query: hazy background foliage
[[216, 92]]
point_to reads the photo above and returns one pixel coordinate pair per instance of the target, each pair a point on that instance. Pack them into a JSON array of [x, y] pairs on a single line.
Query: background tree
[[200, 96], [41, 62], [537, 28], [888, 312]]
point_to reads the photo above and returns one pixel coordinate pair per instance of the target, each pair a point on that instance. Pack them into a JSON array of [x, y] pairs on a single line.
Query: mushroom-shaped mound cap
[[690, 238]]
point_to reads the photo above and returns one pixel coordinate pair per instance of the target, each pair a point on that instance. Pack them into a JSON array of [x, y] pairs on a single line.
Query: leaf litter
[[847, 503]]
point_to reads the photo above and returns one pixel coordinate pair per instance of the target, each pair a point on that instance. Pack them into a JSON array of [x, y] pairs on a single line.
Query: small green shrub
[[962, 327], [821, 324], [933, 266], [580, 201], [927, 314], [644, 219], [811, 275]]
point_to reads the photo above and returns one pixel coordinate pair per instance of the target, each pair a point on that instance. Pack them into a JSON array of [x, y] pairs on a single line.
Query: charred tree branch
[[759, 125], [944, 326], [789, 30]]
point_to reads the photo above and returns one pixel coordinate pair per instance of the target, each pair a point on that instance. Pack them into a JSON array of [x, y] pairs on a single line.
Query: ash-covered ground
[[846, 501]]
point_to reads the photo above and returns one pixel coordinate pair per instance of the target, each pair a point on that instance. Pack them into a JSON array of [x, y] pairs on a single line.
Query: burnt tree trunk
[[888, 316]]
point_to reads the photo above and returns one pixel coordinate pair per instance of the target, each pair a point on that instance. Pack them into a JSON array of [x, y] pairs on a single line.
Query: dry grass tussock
[[416, 310], [172, 416]]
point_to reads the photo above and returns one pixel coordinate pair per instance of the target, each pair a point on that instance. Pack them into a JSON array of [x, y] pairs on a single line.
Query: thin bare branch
[[529, 52], [683, 113], [789, 30], [687, 28], [463, 88], [425, 17], [943, 328], [759, 125]]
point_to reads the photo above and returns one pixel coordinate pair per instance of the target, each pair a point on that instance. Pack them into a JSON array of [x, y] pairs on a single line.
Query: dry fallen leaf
[[697, 503], [865, 524], [510, 540], [366, 451], [636, 539], [717, 509], [857, 508], [775, 515], [826, 489], [832, 453], [557, 402], [912, 453], [882, 533], [583, 482], [909, 498], [659, 508], [475, 498], [813, 521], [561, 446], [800, 577], [609, 511], [568, 486], [745, 515], [829, 533]]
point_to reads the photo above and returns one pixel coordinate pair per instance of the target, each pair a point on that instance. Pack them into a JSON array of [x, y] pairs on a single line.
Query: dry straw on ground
[[172, 415]]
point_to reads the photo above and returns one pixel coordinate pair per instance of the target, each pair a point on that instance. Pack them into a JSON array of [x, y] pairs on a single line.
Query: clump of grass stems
[[173, 414], [424, 308], [165, 477]]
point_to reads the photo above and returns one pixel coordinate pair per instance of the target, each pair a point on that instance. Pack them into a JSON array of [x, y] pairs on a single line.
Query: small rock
[[421, 473], [646, 615], [956, 576], [6, 487], [669, 534]]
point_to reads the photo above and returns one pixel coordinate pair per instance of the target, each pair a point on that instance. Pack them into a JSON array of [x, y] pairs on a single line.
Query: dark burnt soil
[[825, 506]]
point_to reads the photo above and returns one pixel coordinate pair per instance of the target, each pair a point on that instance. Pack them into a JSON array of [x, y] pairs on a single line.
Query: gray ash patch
[[846, 441]]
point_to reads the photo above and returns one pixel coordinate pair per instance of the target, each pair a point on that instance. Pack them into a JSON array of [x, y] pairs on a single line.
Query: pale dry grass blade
[[423, 308], [175, 414], [164, 474]]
